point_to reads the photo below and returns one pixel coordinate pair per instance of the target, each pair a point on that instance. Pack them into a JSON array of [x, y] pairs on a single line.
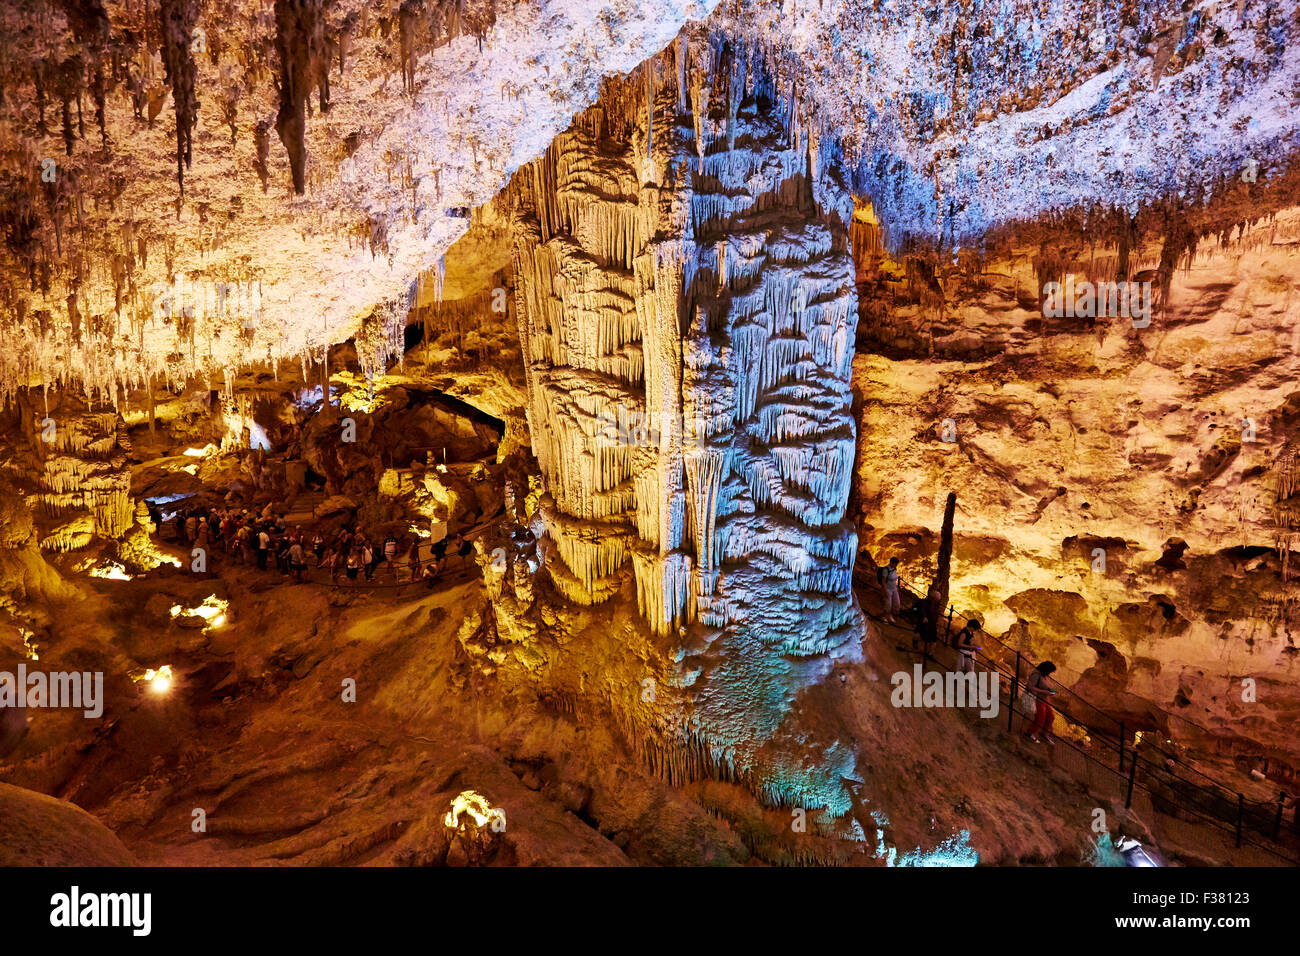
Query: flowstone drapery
[[687, 311]]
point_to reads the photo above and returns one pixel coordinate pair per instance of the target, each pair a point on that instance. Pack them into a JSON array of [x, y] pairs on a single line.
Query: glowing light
[[358, 395], [159, 681], [29, 644], [110, 570], [257, 437], [212, 610], [475, 807], [308, 397], [1134, 853], [208, 449], [150, 555], [418, 532], [955, 851]]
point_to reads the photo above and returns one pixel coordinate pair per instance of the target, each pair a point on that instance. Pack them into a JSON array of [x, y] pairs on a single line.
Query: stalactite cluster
[[79, 291], [920, 156], [86, 483]]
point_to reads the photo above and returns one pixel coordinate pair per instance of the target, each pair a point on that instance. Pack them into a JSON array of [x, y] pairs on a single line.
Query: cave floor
[[256, 734]]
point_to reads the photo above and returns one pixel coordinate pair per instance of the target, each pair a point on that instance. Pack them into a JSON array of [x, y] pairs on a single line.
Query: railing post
[[1015, 688], [950, 639], [1132, 774], [1277, 821], [1121, 746], [1241, 808]]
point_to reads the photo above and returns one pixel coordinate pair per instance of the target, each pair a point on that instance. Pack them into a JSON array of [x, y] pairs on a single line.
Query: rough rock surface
[[1126, 496], [42, 831]]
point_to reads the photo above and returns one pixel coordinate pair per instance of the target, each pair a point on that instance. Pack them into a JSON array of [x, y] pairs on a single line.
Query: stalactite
[[649, 108], [407, 19], [300, 45], [177, 23], [681, 51]]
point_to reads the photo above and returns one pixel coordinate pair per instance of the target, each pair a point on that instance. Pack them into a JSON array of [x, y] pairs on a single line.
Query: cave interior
[[578, 432]]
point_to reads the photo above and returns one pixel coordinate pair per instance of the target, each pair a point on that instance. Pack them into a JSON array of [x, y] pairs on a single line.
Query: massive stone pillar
[[687, 310]]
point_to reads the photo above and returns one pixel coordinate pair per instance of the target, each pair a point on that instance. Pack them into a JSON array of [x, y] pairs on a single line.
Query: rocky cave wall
[[1126, 495]]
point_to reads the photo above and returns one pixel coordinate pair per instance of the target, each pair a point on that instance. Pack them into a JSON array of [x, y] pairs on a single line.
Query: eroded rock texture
[[1127, 497]]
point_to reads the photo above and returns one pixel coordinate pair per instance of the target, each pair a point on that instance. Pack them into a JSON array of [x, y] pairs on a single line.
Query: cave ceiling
[[193, 188]]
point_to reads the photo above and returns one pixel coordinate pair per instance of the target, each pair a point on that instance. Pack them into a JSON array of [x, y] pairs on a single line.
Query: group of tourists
[[930, 613], [351, 554]]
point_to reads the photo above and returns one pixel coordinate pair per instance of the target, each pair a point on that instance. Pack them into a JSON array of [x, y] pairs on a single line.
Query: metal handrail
[[1246, 811]]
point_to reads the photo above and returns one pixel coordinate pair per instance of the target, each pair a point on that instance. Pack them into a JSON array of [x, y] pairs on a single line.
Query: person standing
[[390, 555], [966, 648], [1037, 686], [889, 582], [439, 550], [413, 559], [263, 546], [368, 559], [430, 574], [296, 560]]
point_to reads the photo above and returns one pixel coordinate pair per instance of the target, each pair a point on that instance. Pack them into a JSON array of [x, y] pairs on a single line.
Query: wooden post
[[944, 563], [1121, 746], [1241, 808], [1132, 774], [1277, 821]]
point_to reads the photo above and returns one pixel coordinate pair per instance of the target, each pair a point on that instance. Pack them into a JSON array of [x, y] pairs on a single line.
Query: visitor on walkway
[[354, 563], [440, 550], [413, 559], [368, 559], [330, 562], [889, 582], [1037, 687], [966, 648], [296, 560], [263, 546], [390, 555]]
